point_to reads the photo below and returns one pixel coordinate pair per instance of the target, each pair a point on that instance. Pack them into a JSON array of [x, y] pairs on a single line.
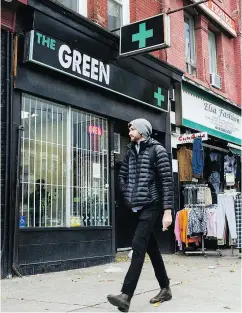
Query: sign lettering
[[56, 55]]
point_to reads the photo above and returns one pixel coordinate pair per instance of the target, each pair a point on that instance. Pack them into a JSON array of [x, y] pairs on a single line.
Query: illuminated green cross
[[142, 35], [159, 97]]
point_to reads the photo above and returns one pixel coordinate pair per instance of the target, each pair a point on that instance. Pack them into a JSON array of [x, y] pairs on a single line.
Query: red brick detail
[[229, 50]]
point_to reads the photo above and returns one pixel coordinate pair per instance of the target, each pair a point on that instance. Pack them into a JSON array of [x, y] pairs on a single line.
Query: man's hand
[[167, 220]]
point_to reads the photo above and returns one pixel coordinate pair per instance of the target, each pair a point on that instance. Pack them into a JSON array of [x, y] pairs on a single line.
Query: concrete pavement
[[199, 284]]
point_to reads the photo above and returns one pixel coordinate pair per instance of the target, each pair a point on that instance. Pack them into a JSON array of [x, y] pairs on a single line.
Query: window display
[[64, 166]]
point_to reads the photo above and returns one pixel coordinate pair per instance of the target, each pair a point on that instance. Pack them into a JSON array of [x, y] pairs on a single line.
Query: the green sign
[[144, 36]]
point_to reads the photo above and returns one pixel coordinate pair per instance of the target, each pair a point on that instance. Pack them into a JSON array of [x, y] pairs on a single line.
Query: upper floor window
[[190, 45], [118, 14], [79, 6], [212, 52]]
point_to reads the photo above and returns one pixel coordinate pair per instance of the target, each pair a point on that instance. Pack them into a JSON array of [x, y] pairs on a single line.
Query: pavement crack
[[40, 301]]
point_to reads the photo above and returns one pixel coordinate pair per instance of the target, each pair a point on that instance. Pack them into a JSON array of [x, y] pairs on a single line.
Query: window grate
[[64, 166]]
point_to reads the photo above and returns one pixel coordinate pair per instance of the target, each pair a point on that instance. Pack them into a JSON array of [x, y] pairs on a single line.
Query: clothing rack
[[195, 185], [203, 249]]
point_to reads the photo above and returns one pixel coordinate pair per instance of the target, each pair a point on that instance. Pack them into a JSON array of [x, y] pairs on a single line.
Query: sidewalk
[[199, 284]]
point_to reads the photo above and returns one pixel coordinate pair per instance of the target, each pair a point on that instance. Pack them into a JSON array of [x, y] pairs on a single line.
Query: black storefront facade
[[71, 105]]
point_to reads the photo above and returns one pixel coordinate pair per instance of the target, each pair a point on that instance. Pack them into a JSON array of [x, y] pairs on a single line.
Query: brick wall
[[229, 53]]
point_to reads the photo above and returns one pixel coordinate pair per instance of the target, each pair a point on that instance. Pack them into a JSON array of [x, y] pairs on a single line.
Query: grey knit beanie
[[143, 127]]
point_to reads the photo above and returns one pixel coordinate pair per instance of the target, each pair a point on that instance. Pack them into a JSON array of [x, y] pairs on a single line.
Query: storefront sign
[[56, 55], [219, 15], [145, 36], [188, 138], [205, 113]]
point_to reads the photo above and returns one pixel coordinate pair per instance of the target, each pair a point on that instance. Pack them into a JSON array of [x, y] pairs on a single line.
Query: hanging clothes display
[[184, 157], [196, 194], [214, 179], [230, 164], [197, 158], [181, 229], [212, 221], [238, 216], [197, 221], [226, 208]]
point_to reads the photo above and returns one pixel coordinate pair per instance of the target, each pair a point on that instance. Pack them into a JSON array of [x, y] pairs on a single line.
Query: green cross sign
[[142, 35], [158, 95]]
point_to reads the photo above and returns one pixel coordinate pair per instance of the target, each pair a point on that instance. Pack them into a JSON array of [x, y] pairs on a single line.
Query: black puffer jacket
[[146, 178]]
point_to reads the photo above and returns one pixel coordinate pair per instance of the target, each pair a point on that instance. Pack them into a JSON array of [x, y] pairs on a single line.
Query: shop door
[[124, 220]]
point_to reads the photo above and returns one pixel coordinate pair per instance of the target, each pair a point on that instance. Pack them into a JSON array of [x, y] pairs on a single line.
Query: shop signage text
[[56, 55], [219, 15], [78, 63], [145, 36], [201, 114], [95, 130], [189, 138]]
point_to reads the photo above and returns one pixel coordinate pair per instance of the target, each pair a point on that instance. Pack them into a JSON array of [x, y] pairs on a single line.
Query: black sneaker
[[163, 295], [122, 301]]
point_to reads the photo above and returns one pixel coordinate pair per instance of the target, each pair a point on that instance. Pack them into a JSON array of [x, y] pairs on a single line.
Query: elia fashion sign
[[203, 114], [219, 15], [145, 36], [61, 57], [189, 138]]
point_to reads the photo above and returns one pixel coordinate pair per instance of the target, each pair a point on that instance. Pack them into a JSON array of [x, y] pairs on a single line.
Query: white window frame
[[191, 62], [81, 7], [125, 8], [212, 48]]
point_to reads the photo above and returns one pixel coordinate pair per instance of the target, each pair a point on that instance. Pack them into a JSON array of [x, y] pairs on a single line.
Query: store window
[[212, 52], [79, 6], [64, 166], [190, 46], [89, 174], [118, 14]]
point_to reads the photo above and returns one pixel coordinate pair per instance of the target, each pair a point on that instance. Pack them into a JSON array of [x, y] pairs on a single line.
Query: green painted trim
[[202, 94], [211, 131]]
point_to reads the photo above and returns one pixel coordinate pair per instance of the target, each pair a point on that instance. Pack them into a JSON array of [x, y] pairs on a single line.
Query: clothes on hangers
[[197, 221], [214, 179], [197, 158], [212, 222], [190, 195], [230, 165], [177, 232], [226, 207], [197, 195], [184, 157], [181, 227]]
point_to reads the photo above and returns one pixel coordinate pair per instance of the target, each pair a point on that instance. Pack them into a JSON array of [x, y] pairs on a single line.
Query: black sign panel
[[146, 35], [54, 54]]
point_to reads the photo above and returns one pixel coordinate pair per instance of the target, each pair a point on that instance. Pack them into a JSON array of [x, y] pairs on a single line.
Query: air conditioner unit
[[215, 80]]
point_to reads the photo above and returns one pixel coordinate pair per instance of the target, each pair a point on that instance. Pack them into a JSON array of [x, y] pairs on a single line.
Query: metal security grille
[[43, 163], [64, 175], [89, 175]]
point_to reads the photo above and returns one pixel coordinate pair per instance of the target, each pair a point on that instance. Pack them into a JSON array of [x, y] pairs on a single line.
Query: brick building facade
[[228, 48]]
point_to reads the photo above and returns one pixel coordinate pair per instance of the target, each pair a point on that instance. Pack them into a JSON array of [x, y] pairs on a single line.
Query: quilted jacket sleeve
[[165, 175], [124, 171]]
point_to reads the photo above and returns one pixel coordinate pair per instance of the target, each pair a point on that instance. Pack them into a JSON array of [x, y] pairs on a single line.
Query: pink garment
[[212, 223], [177, 231]]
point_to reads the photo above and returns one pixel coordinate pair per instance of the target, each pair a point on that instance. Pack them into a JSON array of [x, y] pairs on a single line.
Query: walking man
[[145, 181]]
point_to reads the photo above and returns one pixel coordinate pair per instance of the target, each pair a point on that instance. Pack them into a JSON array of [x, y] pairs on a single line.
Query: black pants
[[145, 241]]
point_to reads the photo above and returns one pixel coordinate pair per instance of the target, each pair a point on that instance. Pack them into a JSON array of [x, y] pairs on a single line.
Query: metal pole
[[187, 6]]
